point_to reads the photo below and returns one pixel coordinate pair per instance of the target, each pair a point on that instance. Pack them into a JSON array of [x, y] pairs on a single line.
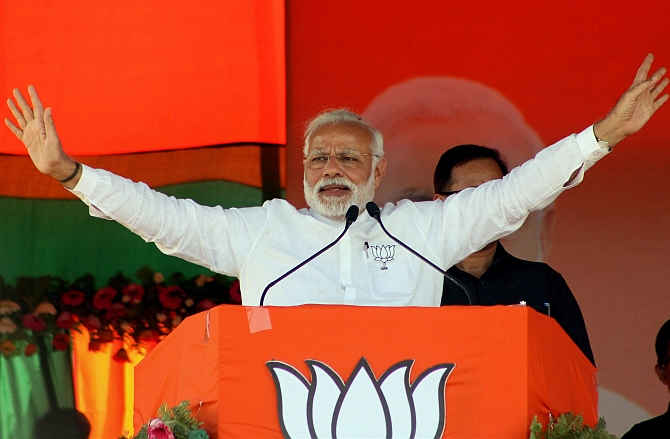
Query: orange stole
[[511, 363]]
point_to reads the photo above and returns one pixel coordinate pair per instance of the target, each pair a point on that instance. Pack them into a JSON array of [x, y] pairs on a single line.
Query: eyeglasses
[[348, 160], [449, 193]]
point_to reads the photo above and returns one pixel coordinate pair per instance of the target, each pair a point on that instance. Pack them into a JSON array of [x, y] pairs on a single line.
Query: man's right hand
[[35, 128]]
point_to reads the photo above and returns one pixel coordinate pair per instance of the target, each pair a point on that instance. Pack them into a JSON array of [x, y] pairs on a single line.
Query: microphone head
[[373, 209], [352, 214]]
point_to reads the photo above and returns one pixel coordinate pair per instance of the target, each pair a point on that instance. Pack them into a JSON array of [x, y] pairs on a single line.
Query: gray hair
[[343, 116]]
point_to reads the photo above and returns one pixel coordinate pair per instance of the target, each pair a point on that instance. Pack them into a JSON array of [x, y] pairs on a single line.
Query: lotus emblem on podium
[[363, 407], [383, 254]]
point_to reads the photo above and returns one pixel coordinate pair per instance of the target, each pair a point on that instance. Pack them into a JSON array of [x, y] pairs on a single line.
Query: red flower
[[30, 349], [65, 320], [34, 323], [235, 293], [134, 293], [73, 298], [94, 345], [121, 356], [171, 297], [103, 298], [91, 322], [117, 310], [61, 342], [205, 304], [106, 336]]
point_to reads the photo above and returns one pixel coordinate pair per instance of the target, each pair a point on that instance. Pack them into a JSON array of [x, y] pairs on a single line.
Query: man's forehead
[[343, 137]]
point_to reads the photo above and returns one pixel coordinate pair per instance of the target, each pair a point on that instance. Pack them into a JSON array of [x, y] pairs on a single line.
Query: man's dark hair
[[62, 423], [460, 155], [662, 342]]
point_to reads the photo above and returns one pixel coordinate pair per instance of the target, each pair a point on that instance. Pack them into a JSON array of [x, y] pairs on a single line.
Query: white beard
[[335, 207]]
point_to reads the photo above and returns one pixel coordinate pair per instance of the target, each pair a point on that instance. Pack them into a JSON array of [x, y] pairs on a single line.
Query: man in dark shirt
[[658, 427], [492, 276]]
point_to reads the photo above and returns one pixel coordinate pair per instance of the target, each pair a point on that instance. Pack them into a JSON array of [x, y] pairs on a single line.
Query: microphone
[[351, 217], [374, 212]]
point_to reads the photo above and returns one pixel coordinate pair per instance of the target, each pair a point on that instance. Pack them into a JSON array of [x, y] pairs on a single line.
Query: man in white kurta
[[259, 244], [343, 165]]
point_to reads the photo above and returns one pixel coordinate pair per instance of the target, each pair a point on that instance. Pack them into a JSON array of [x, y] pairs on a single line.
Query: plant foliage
[[569, 426]]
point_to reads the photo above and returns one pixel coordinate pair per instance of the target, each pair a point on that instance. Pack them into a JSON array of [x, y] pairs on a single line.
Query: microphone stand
[[351, 216], [375, 212]]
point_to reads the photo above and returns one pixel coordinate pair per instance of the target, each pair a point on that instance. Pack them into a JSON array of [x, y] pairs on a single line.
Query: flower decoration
[[132, 293], [7, 326], [172, 423], [45, 308], [73, 298], [66, 320], [156, 429], [30, 349], [7, 347], [34, 323], [8, 307], [103, 298], [61, 342], [140, 311], [171, 297]]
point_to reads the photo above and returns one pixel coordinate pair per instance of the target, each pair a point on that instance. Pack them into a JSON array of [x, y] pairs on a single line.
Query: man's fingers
[[658, 74], [660, 101], [49, 124], [38, 108], [14, 129], [17, 113], [643, 71], [23, 104], [659, 88]]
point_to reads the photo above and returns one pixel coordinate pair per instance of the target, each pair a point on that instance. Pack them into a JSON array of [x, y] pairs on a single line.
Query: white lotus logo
[[363, 407]]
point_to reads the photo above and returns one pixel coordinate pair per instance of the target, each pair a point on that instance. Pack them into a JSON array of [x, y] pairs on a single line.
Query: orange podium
[[343, 371]]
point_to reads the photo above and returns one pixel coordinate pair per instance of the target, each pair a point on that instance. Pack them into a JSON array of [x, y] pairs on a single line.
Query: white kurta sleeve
[[216, 238], [466, 222]]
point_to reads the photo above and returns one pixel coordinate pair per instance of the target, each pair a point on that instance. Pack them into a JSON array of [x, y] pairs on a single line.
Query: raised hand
[[35, 128], [636, 106]]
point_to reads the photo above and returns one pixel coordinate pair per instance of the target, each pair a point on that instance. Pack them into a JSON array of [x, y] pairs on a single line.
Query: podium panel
[[326, 371]]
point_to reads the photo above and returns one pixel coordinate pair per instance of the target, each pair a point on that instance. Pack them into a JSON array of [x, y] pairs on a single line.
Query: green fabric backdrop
[[59, 238]]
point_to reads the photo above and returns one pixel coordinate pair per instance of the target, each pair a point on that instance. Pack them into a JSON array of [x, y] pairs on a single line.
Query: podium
[[325, 371]]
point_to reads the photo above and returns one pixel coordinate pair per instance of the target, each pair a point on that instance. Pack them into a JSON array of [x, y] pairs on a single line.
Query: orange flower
[[7, 347], [45, 308], [7, 326]]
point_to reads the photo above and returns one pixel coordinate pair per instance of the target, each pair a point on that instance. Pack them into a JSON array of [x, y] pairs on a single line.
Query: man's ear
[[379, 171], [660, 371]]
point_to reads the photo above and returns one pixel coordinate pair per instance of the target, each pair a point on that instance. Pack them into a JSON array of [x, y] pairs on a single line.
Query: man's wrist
[[605, 131], [75, 172]]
